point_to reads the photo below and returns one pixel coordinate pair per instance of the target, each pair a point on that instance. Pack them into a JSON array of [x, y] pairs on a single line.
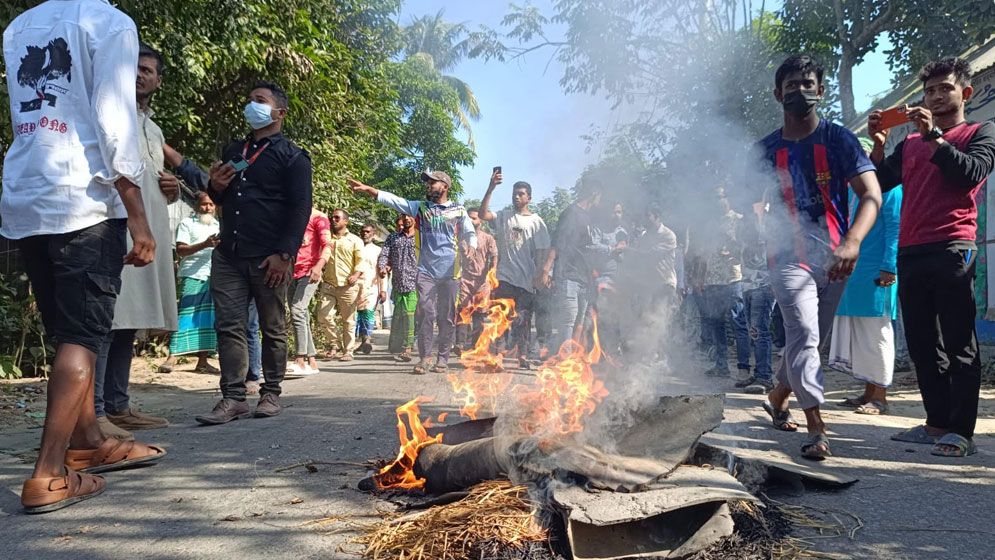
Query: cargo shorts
[[76, 278]]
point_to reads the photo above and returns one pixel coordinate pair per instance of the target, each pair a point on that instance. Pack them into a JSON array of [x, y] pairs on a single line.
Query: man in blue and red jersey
[[812, 246], [942, 166]]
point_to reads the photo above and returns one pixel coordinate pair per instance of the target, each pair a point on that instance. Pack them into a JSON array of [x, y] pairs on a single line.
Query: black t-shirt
[[571, 241]]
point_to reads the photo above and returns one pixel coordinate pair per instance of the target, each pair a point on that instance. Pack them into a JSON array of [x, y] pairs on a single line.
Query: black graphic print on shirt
[[39, 67]]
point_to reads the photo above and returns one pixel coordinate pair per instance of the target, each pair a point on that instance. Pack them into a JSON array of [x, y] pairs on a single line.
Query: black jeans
[[543, 317], [521, 325], [936, 288], [233, 281]]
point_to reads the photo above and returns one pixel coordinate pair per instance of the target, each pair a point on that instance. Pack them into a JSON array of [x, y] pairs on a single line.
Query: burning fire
[[400, 473], [564, 393], [499, 315], [481, 381]]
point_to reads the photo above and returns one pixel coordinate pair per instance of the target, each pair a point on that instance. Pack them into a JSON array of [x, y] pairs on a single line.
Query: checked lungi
[[196, 319]]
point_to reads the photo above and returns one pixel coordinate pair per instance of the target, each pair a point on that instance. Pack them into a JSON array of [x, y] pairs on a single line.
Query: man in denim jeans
[[567, 269], [255, 373], [722, 288], [264, 191], [758, 303]]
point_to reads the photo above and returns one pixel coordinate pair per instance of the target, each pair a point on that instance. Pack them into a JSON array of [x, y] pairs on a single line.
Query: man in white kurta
[[371, 293], [148, 294]]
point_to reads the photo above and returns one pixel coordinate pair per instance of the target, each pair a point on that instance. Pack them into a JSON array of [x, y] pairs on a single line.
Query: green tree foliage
[[352, 106], [427, 135], [550, 208], [678, 68], [444, 45], [920, 31]]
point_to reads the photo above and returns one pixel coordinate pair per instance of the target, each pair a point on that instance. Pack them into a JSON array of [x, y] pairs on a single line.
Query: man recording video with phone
[[941, 165], [264, 190]]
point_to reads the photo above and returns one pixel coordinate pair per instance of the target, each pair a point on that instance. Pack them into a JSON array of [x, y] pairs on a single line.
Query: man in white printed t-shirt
[[523, 241], [70, 192]]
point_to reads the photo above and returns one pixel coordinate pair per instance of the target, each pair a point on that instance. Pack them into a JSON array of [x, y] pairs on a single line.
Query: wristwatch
[[937, 132], [285, 257]]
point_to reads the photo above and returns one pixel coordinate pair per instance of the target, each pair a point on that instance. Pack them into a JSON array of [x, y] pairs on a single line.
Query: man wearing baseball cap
[[440, 225]]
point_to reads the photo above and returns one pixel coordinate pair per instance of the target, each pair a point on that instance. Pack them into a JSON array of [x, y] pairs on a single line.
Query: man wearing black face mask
[[264, 191], [812, 246]]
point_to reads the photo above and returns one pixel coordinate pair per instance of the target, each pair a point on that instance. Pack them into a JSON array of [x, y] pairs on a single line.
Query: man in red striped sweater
[[942, 167]]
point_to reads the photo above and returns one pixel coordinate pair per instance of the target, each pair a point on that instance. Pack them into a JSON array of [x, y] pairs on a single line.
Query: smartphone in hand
[[238, 163], [497, 169], [893, 117]]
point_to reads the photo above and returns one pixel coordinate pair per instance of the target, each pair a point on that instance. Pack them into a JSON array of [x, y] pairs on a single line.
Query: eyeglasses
[[337, 218]]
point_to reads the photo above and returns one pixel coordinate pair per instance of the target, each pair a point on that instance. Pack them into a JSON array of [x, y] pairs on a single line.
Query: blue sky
[[529, 126]]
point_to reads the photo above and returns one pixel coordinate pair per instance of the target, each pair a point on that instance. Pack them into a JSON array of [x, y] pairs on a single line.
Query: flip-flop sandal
[[816, 447], [852, 402], [418, 370], [781, 420], [916, 435], [440, 368], [165, 369], [42, 495], [113, 455], [962, 446], [208, 369], [873, 408]]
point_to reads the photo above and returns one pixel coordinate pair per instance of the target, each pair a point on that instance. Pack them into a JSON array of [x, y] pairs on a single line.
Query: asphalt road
[[218, 494]]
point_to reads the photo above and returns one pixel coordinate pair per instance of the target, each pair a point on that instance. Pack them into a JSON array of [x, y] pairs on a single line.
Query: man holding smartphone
[[522, 241], [264, 191], [941, 166]]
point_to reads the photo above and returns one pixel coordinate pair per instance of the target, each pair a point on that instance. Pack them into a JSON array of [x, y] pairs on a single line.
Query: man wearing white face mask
[[264, 190]]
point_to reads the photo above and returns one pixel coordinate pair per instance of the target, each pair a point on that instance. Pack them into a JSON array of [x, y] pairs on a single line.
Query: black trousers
[[233, 282], [521, 326], [936, 288]]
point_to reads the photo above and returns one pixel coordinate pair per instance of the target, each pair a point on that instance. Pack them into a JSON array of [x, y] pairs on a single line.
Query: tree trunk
[[845, 75]]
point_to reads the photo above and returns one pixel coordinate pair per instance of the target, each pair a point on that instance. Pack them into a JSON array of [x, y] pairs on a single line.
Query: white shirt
[[519, 238], [71, 72], [369, 294], [190, 232], [148, 294]]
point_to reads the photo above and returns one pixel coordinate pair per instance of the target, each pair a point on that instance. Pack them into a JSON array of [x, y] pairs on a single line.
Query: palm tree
[[444, 45]]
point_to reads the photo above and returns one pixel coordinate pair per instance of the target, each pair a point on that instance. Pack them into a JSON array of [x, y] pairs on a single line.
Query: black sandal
[[852, 402], [816, 447], [781, 419]]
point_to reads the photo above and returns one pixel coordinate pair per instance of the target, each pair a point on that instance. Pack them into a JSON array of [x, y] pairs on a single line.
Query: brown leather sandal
[[42, 495], [113, 455]]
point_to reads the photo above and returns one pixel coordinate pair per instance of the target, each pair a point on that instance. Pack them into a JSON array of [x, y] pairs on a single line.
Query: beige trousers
[[337, 315]]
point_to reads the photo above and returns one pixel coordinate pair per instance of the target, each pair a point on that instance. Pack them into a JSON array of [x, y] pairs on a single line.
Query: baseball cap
[[437, 176]]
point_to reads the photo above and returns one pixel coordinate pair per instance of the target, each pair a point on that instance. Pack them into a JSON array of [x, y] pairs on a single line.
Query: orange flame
[[479, 383], [400, 473], [566, 391]]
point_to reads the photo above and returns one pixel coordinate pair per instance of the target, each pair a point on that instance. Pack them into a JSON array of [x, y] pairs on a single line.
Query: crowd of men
[[88, 170]]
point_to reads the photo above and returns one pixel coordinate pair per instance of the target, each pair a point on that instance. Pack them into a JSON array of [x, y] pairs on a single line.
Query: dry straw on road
[[493, 515]]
